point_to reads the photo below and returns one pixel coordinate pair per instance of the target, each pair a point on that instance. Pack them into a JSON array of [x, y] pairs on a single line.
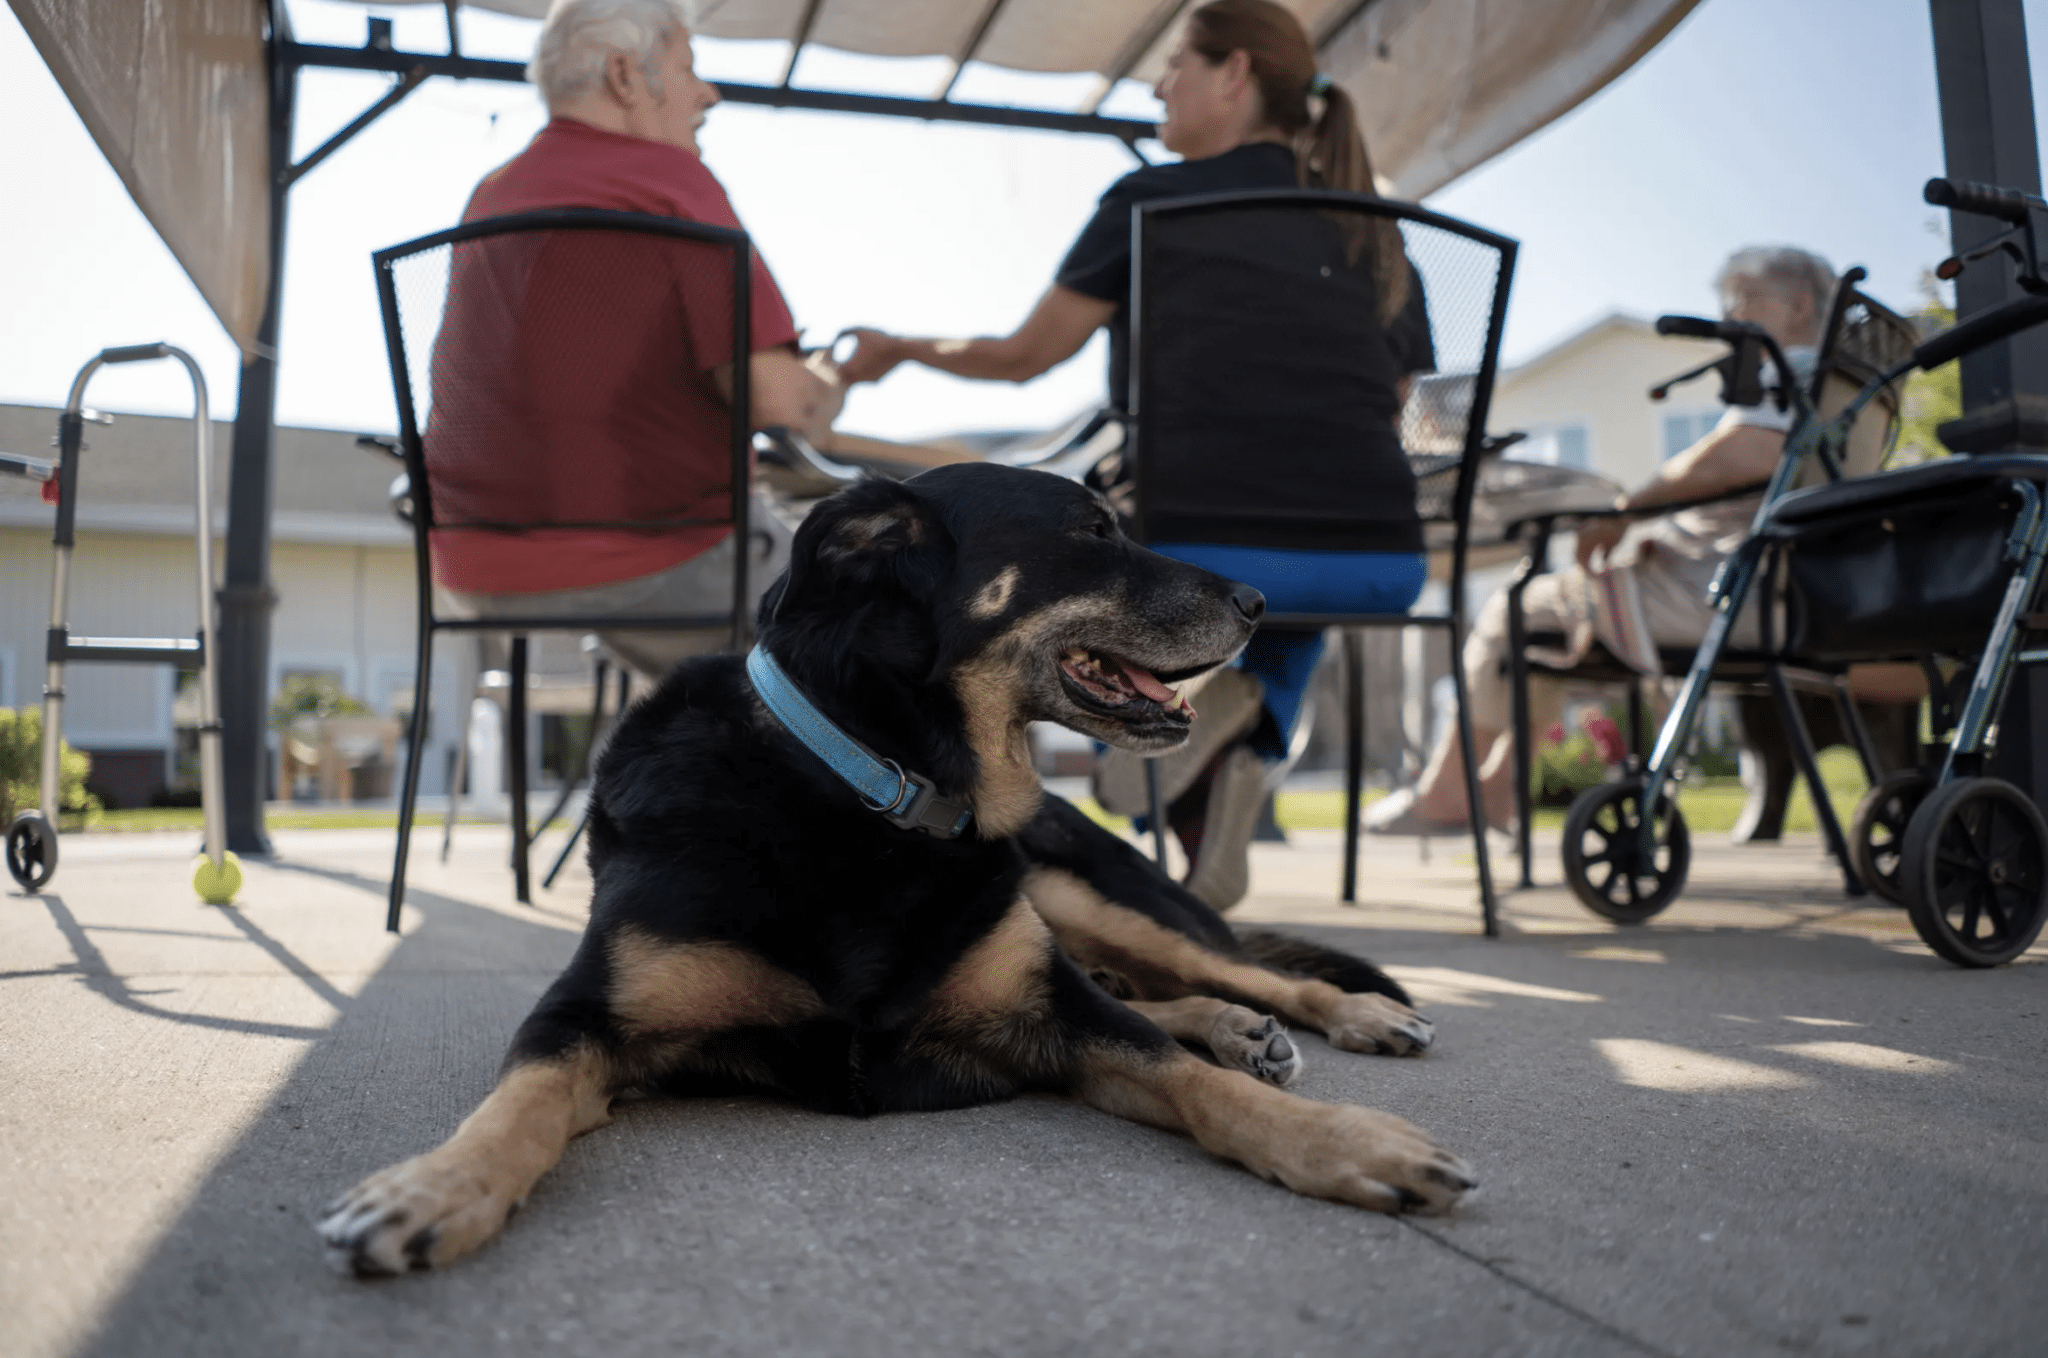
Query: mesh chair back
[[550, 369], [1266, 375], [1864, 340]]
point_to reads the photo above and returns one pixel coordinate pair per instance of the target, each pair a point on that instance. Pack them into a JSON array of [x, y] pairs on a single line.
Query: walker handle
[[135, 353], [1699, 327], [1985, 200]]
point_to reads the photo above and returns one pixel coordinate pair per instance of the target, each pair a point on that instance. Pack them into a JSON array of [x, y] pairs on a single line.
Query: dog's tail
[[1353, 975]]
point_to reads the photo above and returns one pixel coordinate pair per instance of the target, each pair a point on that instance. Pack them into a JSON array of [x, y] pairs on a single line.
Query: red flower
[[1555, 735], [1606, 736]]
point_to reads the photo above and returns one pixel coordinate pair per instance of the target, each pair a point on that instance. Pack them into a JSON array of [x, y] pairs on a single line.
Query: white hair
[[578, 36], [1791, 271]]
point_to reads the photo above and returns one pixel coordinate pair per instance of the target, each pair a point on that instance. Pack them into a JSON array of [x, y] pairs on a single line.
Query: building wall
[[1599, 382]]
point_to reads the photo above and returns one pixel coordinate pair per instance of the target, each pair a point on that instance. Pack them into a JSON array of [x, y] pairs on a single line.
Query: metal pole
[[1988, 136], [246, 600]]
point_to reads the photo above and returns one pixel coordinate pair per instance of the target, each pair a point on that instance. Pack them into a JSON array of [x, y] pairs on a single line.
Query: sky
[[1808, 122]]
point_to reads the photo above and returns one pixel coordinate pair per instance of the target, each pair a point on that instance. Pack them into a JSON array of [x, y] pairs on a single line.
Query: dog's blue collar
[[907, 800]]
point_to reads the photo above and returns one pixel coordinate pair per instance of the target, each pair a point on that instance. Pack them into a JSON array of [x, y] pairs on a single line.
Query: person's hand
[[875, 353], [1598, 535]]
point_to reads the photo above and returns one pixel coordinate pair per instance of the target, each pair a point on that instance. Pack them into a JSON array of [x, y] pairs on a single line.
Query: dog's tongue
[[1142, 679]]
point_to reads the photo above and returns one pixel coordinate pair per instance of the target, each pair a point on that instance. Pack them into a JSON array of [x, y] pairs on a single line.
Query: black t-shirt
[[1277, 423]]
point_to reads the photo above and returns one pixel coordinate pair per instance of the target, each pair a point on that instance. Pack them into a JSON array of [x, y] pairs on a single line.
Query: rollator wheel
[[32, 850], [1877, 832], [1974, 871], [1603, 857]]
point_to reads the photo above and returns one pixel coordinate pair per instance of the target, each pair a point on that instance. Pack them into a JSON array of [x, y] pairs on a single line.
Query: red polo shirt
[[571, 378]]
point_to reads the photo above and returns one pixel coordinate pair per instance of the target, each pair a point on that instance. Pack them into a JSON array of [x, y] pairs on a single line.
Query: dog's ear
[[874, 535]]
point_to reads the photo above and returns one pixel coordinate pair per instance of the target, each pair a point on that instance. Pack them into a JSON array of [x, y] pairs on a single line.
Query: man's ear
[[871, 537]]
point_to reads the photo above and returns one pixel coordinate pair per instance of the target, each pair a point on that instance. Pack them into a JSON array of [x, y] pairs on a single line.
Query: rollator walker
[[1939, 564], [32, 836]]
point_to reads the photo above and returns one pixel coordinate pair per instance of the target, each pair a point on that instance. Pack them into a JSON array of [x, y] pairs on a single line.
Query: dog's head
[[1013, 593]]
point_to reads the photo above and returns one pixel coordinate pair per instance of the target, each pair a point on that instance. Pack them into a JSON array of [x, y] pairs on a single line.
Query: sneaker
[[1231, 702], [1222, 873]]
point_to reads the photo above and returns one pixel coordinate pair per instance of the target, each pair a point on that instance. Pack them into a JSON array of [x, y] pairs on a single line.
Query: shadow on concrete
[[736, 1226]]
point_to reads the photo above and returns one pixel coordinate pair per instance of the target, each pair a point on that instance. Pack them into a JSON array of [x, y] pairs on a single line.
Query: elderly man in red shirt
[[614, 378]]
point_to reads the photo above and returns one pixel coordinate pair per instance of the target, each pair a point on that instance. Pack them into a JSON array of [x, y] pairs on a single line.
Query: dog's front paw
[[1370, 1159], [1255, 1044], [1374, 1023], [421, 1213]]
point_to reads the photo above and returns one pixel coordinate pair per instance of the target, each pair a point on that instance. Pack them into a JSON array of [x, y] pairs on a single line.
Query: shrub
[[312, 695], [21, 764]]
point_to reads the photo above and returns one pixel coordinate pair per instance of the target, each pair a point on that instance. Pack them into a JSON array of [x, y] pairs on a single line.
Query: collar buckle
[[920, 807]]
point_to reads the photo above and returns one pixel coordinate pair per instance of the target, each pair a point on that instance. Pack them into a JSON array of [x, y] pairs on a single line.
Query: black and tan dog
[[756, 925]]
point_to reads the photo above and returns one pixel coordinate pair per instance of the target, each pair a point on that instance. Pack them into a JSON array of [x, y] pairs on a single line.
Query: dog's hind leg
[[1125, 1066], [1163, 963], [1234, 1035]]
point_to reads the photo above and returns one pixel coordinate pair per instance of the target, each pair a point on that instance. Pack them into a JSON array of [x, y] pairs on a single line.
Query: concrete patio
[[1768, 1123]]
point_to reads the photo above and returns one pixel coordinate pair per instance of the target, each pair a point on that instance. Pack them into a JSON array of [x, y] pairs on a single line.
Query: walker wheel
[[217, 888], [1877, 832], [1974, 871], [1603, 858], [32, 850]]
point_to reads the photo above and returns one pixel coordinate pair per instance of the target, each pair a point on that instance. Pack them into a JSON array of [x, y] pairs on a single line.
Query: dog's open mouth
[[1121, 688]]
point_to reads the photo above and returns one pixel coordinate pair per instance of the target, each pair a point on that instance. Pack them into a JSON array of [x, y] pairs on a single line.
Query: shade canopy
[[175, 94]]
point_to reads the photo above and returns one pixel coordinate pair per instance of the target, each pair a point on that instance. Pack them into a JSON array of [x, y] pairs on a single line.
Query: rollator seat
[[1897, 564]]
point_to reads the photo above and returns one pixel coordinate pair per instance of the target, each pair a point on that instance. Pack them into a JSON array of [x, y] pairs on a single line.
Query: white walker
[[32, 837]]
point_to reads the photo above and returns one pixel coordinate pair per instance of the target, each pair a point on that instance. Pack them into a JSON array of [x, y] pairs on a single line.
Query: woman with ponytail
[[1246, 109]]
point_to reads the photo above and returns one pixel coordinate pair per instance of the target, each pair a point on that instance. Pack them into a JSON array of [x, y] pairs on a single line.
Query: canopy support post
[[247, 599], [1988, 136]]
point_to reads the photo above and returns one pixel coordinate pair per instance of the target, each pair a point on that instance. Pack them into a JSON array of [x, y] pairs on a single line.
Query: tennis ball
[[217, 888]]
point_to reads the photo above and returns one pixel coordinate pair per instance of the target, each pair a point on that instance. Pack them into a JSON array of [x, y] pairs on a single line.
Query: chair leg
[[1489, 909], [461, 771], [515, 755], [422, 685], [1155, 812], [575, 780], [1635, 723], [1354, 756], [1524, 738]]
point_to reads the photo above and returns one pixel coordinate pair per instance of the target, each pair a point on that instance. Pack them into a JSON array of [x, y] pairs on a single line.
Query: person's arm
[[1727, 459], [1054, 332], [783, 389]]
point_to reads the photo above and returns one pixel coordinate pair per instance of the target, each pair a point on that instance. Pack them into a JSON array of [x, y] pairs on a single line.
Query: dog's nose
[[1250, 603]]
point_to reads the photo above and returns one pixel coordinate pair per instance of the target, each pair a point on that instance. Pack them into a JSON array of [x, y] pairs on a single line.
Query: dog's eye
[[1101, 528]]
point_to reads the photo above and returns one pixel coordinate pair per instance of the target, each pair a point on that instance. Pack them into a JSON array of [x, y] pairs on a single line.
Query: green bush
[[312, 695], [21, 764]]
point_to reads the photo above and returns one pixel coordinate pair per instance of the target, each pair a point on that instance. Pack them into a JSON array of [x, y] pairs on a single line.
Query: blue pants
[[1302, 582]]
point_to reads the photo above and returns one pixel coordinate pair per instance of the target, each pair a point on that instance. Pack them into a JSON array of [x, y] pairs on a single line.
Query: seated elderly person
[[619, 374], [1641, 580]]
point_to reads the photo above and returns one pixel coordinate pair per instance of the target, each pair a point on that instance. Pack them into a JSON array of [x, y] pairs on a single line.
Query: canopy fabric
[[175, 96], [174, 93]]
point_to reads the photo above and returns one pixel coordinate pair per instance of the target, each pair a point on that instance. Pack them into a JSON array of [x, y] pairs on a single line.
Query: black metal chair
[[1860, 339], [1211, 283], [538, 288]]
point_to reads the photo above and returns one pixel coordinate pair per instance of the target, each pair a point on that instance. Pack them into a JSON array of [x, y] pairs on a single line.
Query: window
[[1565, 445], [1682, 431]]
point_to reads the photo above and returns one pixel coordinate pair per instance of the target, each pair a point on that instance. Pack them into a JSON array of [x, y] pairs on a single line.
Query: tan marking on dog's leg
[[1006, 788], [1165, 964], [1354, 1155], [992, 598], [685, 988], [437, 1207], [1003, 973], [1236, 1036]]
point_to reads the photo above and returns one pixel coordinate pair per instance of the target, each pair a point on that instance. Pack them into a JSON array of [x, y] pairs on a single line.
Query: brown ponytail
[[1329, 150]]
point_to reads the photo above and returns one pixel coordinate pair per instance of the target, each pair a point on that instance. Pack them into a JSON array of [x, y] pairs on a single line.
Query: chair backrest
[[1266, 387], [1863, 339], [549, 368]]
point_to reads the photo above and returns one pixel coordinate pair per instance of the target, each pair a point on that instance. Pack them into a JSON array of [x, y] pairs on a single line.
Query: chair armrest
[[34, 468], [1102, 434], [1548, 518], [781, 446]]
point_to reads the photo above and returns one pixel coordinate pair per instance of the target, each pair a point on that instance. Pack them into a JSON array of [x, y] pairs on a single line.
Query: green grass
[[145, 819], [1709, 804]]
